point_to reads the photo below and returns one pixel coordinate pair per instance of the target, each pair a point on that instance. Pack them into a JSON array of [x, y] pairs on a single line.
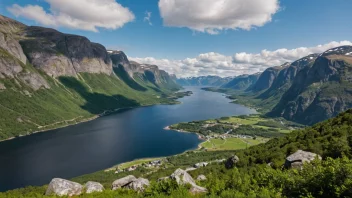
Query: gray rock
[[138, 185], [62, 187], [231, 162], [198, 190], [201, 178], [123, 182], [182, 178], [297, 159], [200, 164], [34, 80], [91, 187]]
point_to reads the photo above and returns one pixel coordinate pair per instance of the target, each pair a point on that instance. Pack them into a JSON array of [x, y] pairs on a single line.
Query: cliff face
[[150, 73], [320, 90], [12, 58], [61, 54], [242, 82], [267, 78]]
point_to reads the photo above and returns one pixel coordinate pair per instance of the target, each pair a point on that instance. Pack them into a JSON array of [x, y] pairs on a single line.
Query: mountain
[[320, 90], [143, 73], [309, 90], [203, 81], [267, 78], [50, 79], [242, 82]]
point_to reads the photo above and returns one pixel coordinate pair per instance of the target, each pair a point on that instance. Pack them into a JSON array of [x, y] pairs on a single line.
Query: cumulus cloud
[[240, 63], [213, 16], [148, 16], [78, 14]]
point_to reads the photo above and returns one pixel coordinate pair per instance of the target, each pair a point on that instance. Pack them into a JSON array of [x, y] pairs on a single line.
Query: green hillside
[[69, 100]]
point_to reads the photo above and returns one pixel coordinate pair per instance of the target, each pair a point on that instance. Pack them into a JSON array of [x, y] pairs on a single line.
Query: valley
[[195, 102]]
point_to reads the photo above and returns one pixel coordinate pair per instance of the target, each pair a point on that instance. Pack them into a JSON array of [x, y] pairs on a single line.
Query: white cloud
[[241, 63], [148, 16], [212, 16], [78, 14]]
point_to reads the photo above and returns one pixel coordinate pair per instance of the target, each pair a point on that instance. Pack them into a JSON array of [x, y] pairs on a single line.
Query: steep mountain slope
[[267, 78], [49, 79], [203, 81], [242, 82], [319, 91], [143, 73]]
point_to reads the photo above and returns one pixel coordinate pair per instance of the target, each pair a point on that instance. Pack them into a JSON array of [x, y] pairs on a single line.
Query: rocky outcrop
[[123, 182], [319, 91], [62, 187], [183, 178], [297, 159], [231, 162], [201, 178], [91, 187]]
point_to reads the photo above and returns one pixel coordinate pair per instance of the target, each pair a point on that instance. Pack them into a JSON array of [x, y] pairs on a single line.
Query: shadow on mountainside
[[97, 103], [123, 75]]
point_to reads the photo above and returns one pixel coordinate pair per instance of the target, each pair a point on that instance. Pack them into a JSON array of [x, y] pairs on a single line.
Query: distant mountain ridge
[[50, 79], [309, 90], [203, 81]]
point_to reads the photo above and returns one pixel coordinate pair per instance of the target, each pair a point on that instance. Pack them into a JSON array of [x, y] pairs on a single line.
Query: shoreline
[[167, 128]]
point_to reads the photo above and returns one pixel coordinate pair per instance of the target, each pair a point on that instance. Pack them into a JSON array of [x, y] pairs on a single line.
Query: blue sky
[[296, 23]]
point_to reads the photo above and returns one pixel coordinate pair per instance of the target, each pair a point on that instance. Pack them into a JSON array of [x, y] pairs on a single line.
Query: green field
[[231, 143], [253, 125]]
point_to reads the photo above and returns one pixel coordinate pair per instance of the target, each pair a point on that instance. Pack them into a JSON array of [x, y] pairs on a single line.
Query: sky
[[198, 37]]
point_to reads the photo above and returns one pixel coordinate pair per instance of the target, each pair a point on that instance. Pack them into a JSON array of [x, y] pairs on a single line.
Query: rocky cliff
[[320, 90], [145, 72], [267, 78]]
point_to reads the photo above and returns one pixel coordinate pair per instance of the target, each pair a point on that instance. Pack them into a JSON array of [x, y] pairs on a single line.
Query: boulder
[[197, 190], [297, 159], [62, 187], [200, 164], [182, 178], [201, 178], [123, 182], [2, 86], [93, 187], [138, 185], [231, 162]]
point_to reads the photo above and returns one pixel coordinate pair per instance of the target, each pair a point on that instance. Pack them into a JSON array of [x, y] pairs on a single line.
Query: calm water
[[107, 141]]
